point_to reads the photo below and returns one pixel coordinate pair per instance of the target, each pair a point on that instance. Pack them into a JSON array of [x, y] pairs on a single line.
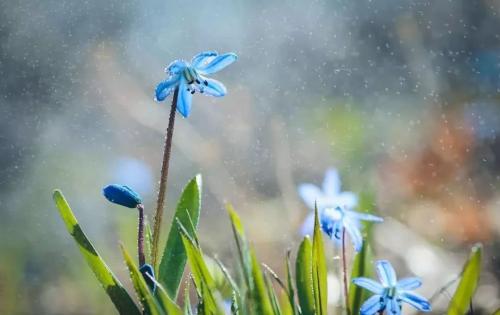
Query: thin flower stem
[[140, 236], [163, 178], [344, 269]]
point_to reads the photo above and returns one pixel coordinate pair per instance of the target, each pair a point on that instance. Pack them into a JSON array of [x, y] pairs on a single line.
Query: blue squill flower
[[390, 293], [328, 196], [335, 220], [122, 195], [191, 77], [148, 273]]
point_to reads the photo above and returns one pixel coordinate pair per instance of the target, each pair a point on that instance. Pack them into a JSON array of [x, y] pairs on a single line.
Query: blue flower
[[190, 77], [149, 275], [390, 293], [334, 220], [122, 195], [328, 196]]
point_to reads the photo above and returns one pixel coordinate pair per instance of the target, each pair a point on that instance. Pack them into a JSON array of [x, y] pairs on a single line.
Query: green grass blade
[[462, 298], [362, 267], [146, 297], [148, 240], [272, 296], [259, 295], [203, 280], [319, 270], [290, 289], [174, 257], [119, 296], [303, 277]]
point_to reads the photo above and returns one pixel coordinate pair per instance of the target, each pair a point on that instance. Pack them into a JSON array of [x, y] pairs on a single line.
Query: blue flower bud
[[122, 195], [148, 273]]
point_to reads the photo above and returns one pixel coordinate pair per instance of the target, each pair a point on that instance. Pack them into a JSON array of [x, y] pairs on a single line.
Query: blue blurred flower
[[190, 77], [390, 293], [122, 195], [148, 273], [334, 220], [328, 196]]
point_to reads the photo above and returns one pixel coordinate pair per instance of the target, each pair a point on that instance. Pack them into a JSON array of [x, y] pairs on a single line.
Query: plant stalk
[[344, 269], [140, 236], [163, 178]]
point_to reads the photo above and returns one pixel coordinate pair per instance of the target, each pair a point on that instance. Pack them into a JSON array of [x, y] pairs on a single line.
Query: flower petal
[[409, 283], [307, 227], [331, 183], [184, 99], [175, 67], [386, 273], [203, 58], [310, 194], [354, 232], [122, 195], [416, 301], [372, 305], [347, 199], [363, 216], [218, 63], [212, 87], [369, 284], [393, 307], [165, 88]]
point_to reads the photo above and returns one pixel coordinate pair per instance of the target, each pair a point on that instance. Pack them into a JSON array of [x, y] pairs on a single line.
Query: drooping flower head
[[391, 293], [335, 220], [328, 196], [191, 77], [122, 195]]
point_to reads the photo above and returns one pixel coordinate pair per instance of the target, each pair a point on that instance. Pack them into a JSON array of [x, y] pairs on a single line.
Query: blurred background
[[402, 97]]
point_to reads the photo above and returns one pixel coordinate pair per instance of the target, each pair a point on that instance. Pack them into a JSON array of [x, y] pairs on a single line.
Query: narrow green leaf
[[462, 298], [260, 298], [289, 286], [174, 258], [187, 301], [272, 296], [304, 278], [148, 240], [119, 296], [319, 270], [203, 280], [362, 267], [165, 301], [146, 297]]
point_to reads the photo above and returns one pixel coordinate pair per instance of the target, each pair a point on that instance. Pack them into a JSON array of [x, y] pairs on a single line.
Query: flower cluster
[[336, 215]]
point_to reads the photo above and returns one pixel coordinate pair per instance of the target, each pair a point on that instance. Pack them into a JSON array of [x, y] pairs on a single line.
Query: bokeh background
[[401, 96]]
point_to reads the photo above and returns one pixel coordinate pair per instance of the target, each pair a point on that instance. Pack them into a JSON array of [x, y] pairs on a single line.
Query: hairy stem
[[163, 178], [140, 236], [344, 270]]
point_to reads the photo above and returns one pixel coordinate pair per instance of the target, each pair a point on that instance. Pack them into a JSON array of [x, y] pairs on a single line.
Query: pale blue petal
[[363, 216], [165, 88], [184, 99], [369, 284], [354, 233], [347, 199], [331, 183], [203, 58], [386, 273], [372, 305], [393, 307], [176, 67], [307, 227], [409, 283], [416, 301], [310, 194], [218, 63], [212, 87]]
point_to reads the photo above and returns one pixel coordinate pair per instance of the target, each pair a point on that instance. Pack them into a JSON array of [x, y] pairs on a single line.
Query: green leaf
[[146, 297], [148, 240], [119, 296], [260, 298], [203, 280], [462, 298], [362, 267], [319, 271], [272, 296], [303, 277], [174, 258], [289, 286]]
